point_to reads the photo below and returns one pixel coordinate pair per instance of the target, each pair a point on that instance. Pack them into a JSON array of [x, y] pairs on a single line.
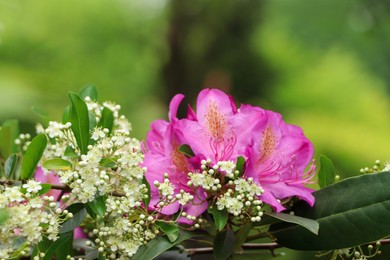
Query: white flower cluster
[[238, 195], [378, 167], [31, 217]]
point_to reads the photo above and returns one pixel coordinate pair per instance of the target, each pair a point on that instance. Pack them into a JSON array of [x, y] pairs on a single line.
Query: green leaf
[[45, 189], [70, 152], [50, 247], [307, 223], [224, 244], [240, 165], [107, 162], [169, 229], [79, 213], [10, 165], [186, 150], [220, 216], [161, 244], [326, 175], [57, 164], [32, 156], [241, 236], [79, 118], [98, 205], [146, 200], [89, 90], [8, 133], [3, 215], [42, 115], [65, 249], [107, 119], [351, 212]]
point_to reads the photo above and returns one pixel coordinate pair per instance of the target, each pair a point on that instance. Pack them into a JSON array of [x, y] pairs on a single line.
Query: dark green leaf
[[307, 223], [146, 199], [43, 116], [3, 215], [241, 236], [220, 216], [45, 189], [92, 121], [10, 165], [169, 229], [240, 165], [79, 214], [65, 249], [79, 118], [224, 244], [326, 175], [49, 247], [57, 164], [8, 133], [32, 156], [186, 150], [107, 119], [89, 90], [98, 205], [350, 212], [161, 244]]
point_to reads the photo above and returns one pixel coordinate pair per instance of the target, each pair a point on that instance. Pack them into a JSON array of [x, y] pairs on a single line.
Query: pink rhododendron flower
[[162, 156], [278, 158]]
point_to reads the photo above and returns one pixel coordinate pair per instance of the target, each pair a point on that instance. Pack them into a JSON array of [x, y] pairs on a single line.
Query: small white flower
[[32, 186]]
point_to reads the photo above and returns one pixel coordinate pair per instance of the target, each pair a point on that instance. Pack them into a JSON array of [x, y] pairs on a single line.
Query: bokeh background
[[323, 64]]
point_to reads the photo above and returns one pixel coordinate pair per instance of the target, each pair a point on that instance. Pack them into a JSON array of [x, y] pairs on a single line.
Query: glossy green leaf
[[309, 224], [107, 119], [108, 162], [66, 248], [45, 188], [3, 215], [79, 118], [92, 122], [32, 156], [350, 212], [50, 247], [240, 165], [220, 216], [326, 175], [10, 165], [98, 205], [161, 244], [57, 164], [169, 229], [146, 200], [79, 213], [89, 90], [241, 236], [224, 244], [186, 150], [9, 131]]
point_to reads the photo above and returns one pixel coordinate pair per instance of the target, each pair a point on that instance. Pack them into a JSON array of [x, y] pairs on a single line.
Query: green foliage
[[146, 200], [3, 215], [50, 247], [10, 165], [32, 156], [79, 118], [89, 91], [98, 205], [169, 229], [79, 213], [186, 150], [161, 244], [224, 244], [326, 175], [220, 216], [309, 224], [9, 131], [240, 165], [350, 212], [57, 164], [107, 120]]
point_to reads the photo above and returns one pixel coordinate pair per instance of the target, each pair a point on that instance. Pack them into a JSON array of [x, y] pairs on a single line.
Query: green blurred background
[[323, 64]]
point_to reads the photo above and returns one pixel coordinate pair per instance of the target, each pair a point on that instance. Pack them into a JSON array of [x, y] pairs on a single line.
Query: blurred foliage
[[327, 75]]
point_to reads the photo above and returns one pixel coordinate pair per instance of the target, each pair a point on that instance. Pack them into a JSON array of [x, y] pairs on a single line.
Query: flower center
[[215, 122], [268, 144]]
